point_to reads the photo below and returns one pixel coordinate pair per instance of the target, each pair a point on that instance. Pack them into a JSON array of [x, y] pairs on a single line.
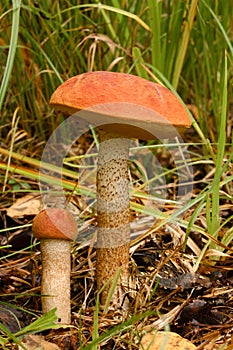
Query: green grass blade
[[9, 337], [12, 50], [215, 219], [184, 43], [121, 328], [227, 39], [155, 17], [43, 323], [112, 9], [113, 284], [15, 123], [95, 333], [138, 62]]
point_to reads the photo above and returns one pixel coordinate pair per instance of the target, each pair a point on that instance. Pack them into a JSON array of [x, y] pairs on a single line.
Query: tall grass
[[184, 41], [211, 40], [12, 49]]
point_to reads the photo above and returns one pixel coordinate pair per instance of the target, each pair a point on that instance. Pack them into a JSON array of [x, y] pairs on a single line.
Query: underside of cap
[[103, 92]]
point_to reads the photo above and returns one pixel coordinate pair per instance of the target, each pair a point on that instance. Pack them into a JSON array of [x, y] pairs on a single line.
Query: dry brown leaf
[[27, 205], [165, 341], [36, 342]]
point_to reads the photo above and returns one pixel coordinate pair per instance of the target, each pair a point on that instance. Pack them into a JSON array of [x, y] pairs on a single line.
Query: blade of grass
[[112, 289], [215, 219], [43, 323], [121, 328], [184, 43], [205, 141], [43, 53], [228, 235], [227, 39], [108, 23], [155, 17], [139, 63], [14, 128], [127, 30], [12, 50], [95, 333], [37, 163], [112, 9], [9, 337], [36, 175], [192, 220]]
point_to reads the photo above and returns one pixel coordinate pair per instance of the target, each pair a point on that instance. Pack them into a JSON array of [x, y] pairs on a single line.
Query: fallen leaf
[[165, 341], [36, 342], [27, 205]]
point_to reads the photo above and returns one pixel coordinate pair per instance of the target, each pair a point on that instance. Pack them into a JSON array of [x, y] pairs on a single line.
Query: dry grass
[[170, 289]]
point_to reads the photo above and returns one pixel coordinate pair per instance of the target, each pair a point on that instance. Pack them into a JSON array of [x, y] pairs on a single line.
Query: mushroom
[[55, 228], [121, 106]]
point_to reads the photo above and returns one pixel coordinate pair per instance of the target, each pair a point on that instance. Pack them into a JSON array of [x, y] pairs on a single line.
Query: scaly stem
[[113, 238], [55, 284]]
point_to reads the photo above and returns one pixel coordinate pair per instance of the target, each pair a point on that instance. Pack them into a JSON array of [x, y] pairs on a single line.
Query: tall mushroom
[[55, 228], [122, 106]]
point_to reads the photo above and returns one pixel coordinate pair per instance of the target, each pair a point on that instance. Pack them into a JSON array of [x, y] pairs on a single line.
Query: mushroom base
[[107, 274]]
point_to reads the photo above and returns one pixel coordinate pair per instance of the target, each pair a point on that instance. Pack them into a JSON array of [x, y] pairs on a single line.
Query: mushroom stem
[[55, 284], [113, 210]]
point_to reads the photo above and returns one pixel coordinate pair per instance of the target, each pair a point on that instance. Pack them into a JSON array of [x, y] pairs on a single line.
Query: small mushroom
[[122, 106], [55, 228]]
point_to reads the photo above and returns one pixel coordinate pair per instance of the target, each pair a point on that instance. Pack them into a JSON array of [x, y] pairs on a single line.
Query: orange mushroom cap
[[139, 102], [54, 223]]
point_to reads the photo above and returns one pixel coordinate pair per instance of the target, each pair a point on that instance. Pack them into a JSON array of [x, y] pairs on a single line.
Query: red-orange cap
[[54, 223], [94, 89]]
